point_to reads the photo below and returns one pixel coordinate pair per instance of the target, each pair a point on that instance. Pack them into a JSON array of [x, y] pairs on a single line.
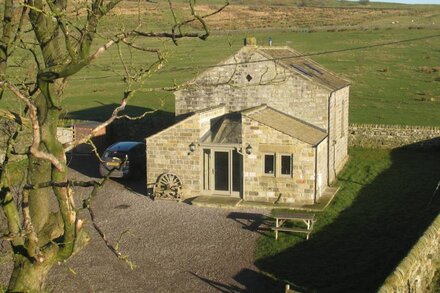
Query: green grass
[[400, 95], [387, 83], [379, 213]]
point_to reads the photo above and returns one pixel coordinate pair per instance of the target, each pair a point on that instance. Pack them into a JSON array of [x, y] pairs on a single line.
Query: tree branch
[[31, 243], [36, 138], [198, 18], [87, 204], [67, 183], [9, 115], [69, 146], [10, 209], [174, 36]]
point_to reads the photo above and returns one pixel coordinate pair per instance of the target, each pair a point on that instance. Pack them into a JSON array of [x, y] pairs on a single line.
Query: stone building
[[266, 124]]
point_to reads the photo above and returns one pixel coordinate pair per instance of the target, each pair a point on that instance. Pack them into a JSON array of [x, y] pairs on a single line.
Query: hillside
[[392, 84]]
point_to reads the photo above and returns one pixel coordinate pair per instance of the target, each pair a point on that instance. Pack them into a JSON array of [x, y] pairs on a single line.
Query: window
[[286, 165], [269, 164], [279, 165]]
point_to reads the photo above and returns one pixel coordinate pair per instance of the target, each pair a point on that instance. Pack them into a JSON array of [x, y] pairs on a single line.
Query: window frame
[[281, 155], [274, 166]]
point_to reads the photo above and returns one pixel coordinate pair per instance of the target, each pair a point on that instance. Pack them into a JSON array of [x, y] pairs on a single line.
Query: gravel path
[[176, 247]]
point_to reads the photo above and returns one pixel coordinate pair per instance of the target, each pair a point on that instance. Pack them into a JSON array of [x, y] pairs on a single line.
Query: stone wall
[[297, 188], [254, 83], [65, 134], [394, 136], [416, 271], [249, 79], [321, 167], [207, 118], [338, 136], [168, 151]]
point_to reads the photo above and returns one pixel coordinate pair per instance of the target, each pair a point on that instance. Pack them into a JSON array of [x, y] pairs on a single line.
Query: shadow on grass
[[251, 280], [384, 205], [104, 111], [251, 221]]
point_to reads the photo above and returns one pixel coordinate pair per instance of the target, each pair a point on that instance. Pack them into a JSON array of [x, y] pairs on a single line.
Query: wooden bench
[[283, 216]]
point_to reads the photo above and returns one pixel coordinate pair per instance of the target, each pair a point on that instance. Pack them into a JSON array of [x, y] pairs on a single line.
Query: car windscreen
[[115, 154]]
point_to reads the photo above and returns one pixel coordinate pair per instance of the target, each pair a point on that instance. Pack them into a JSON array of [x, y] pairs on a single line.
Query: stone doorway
[[222, 171]]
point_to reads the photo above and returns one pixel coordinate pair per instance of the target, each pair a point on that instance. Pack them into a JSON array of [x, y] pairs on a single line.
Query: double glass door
[[222, 171]]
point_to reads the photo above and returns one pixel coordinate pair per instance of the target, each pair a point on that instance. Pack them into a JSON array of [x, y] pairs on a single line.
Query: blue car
[[125, 159]]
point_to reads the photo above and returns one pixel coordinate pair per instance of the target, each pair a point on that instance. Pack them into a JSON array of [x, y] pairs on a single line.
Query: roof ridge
[[253, 110]]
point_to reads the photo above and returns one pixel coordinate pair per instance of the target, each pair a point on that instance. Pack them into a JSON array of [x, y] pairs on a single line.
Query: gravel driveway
[[176, 247]]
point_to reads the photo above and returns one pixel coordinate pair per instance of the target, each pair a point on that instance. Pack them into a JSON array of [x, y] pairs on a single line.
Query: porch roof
[[226, 131], [287, 124]]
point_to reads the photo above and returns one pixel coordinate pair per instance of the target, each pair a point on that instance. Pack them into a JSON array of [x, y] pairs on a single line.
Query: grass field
[[379, 213], [394, 84]]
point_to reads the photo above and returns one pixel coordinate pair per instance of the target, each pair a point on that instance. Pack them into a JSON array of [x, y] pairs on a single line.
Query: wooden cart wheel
[[168, 185]]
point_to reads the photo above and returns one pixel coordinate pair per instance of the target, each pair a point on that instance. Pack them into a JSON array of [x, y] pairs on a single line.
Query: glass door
[[221, 172]]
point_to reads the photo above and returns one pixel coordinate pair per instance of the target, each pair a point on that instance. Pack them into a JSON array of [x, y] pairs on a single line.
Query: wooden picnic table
[[282, 217]]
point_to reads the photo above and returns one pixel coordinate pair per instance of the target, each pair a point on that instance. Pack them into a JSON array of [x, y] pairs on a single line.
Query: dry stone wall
[[416, 271], [393, 136]]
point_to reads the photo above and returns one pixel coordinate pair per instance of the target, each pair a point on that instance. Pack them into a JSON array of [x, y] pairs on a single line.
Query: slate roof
[[304, 66], [287, 124]]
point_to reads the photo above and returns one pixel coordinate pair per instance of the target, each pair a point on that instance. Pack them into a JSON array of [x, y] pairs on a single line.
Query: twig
[[434, 194], [69, 146], [136, 117], [95, 150]]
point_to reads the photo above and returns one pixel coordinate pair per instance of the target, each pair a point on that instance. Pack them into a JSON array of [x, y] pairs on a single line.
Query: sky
[[410, 1]]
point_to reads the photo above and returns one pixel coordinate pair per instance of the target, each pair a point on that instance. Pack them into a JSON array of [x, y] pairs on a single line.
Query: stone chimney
[[250, 41]]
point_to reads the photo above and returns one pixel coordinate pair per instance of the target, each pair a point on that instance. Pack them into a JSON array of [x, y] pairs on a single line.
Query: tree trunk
[[28, 276], [51, 234]]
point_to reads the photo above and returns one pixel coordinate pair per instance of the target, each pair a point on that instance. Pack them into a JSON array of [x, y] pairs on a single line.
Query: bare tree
[[60, 37]]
